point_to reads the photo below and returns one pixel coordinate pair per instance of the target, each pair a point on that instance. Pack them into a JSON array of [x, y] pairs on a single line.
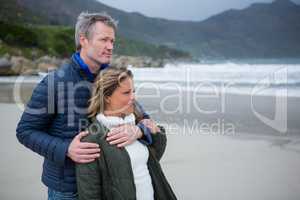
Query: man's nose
[[110, 45]]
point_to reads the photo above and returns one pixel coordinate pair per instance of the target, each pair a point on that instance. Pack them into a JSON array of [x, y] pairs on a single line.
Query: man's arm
[[35, 120], [32, 129]]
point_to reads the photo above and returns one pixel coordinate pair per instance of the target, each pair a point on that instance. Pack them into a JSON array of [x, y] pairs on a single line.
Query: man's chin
[[105, 60], [108, 59]]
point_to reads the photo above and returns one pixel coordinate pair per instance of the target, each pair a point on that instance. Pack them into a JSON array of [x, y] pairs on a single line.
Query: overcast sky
[[181, 9]]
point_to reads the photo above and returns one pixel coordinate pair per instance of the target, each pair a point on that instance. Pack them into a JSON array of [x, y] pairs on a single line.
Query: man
[[56, 112]]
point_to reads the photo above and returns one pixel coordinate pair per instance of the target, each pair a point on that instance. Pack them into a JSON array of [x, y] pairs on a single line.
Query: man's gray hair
[[85, 24]]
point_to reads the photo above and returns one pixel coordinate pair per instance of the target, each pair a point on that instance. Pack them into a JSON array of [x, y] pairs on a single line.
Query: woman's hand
[[149, 123]]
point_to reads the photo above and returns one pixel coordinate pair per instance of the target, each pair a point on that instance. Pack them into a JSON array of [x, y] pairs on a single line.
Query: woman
[[132, 172]]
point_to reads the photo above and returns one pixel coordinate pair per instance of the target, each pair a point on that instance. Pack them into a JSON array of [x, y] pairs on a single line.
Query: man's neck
[[93, 67]]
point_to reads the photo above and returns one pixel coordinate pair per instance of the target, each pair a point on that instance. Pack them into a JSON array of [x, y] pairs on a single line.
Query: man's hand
[[149, 123], [124, 135], [83, 152]]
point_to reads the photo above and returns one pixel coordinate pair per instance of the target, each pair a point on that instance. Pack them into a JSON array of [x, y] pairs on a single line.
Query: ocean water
[[253, 77], [228, 77]]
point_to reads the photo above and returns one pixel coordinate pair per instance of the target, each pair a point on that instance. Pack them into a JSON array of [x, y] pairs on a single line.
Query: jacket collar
[[83, 67]]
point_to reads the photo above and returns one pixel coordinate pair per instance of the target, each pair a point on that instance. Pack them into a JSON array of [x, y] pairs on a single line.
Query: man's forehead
[[101, 28], [104, 33]]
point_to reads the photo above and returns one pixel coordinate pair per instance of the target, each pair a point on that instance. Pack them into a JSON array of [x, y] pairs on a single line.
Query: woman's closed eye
[[128, 92]]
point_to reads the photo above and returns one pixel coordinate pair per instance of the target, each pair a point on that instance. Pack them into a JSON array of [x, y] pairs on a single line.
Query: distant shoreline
[[183, 110]]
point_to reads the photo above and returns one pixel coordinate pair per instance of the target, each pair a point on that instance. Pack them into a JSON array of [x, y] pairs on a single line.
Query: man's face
[[99, 47]]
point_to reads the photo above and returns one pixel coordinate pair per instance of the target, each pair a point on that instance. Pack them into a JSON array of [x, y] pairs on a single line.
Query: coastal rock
[[4, 62], [47, 63], [21, 65], [6, 67], [46, 67], [48, 60], [7, 56], [140, 61]]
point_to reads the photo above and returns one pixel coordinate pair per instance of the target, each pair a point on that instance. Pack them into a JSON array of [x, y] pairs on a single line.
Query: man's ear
[[83, 40]]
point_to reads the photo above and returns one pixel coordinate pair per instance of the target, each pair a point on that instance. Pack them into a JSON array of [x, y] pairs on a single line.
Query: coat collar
[[83, 67]]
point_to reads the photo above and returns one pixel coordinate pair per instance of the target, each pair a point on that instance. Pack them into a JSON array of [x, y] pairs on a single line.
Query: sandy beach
[[251, 161]]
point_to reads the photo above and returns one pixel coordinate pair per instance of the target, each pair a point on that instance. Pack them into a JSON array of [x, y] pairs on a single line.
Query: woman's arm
[[158, 135], [89, 177], [89, 184]]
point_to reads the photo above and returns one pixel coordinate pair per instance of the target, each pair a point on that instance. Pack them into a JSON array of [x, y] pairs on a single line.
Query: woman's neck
[[108, 113]]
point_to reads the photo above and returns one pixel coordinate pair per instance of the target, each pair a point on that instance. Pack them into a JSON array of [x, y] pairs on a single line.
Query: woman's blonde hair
[[105, 84]]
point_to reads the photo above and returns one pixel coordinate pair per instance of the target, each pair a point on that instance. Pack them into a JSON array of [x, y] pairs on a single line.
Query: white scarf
[[113, 121]]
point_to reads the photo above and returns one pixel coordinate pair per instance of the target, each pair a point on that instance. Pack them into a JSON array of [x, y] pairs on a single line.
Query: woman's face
[[122, 99]]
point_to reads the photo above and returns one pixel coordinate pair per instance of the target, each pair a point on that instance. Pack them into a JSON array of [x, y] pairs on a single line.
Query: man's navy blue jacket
[[54, 115]]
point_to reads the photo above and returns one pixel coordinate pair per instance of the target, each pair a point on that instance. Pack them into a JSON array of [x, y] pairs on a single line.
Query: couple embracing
[[97, 141]]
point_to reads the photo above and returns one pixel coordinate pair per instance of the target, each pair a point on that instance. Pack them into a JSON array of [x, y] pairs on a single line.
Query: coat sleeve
[[89, 181], [89, 176], [37, 118], [147, 136], [159, 143]]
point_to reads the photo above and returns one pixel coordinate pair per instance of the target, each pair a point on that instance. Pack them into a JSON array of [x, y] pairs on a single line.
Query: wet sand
[[201, 162]]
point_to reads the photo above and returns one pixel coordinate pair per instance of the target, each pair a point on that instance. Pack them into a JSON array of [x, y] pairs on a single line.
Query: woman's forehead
[[126, 84]]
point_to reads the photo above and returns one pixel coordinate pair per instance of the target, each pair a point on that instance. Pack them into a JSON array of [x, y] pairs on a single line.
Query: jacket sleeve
[[159, 143], [89, 177], [35, 121], [147, 136]]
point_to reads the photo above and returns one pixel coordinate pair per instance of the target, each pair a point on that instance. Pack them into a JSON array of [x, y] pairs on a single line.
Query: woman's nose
[[132, 97]]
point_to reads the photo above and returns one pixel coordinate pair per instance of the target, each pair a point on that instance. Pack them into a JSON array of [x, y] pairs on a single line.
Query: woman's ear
[[107, 100]]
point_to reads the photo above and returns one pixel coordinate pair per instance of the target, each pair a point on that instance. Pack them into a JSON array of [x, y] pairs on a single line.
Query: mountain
[[263, 30], [32, 27]]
